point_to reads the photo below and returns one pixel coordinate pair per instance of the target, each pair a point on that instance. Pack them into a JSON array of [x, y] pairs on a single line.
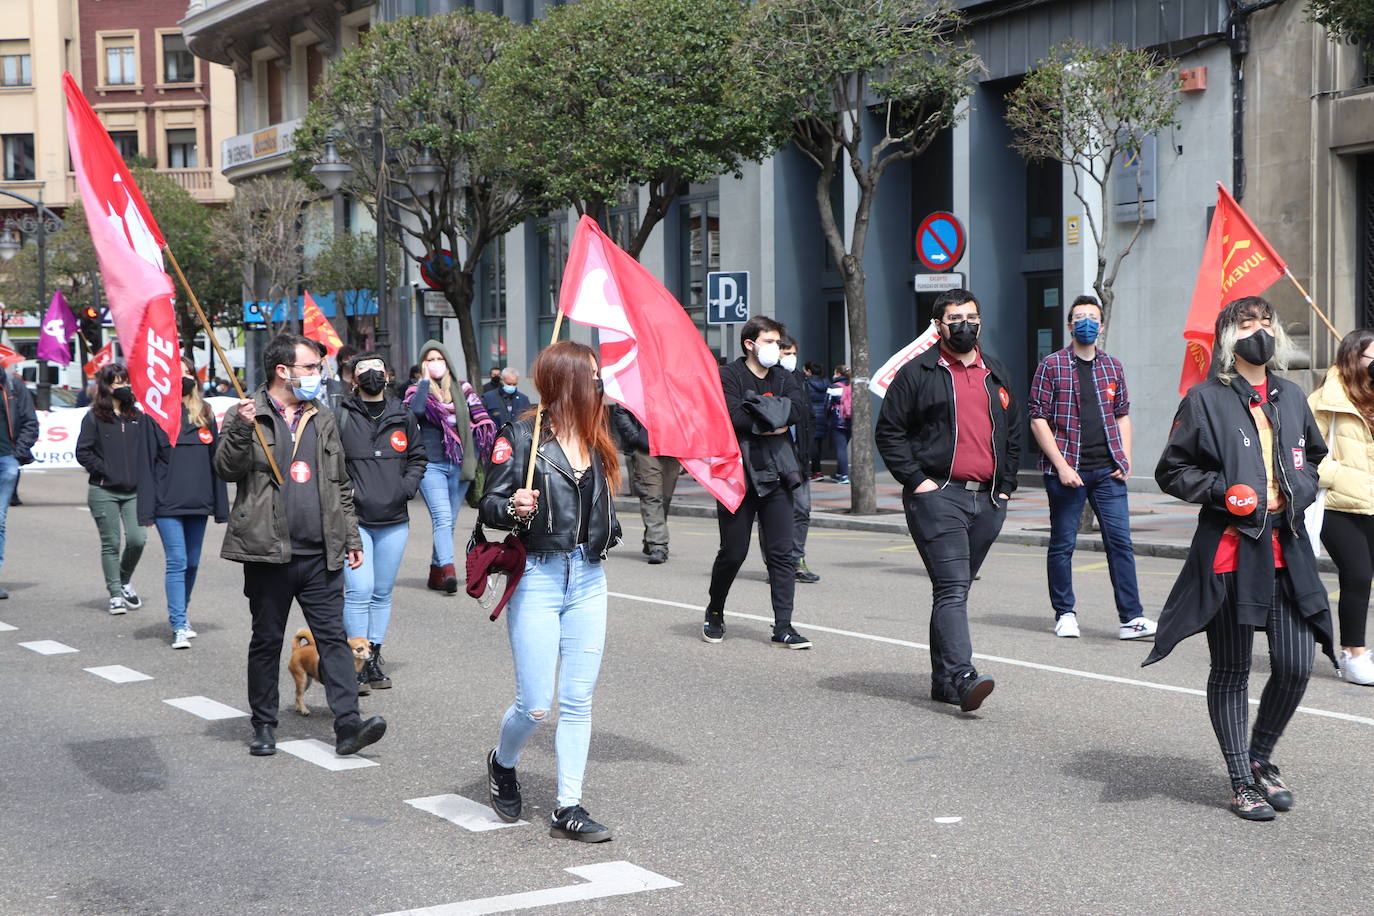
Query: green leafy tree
[[263, 231], [422, 82], [602, 96], [1091, 109], [1346, 20], [346, 267], [862, 84]]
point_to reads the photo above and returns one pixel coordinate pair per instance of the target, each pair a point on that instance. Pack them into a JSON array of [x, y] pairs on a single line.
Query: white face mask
[[789, 362], [767, 354]]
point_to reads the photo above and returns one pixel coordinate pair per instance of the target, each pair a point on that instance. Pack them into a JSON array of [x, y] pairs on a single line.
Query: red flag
[[1237, 262], [10, 357], [102, 358], [317, 327], [129, 247], [654, 361]]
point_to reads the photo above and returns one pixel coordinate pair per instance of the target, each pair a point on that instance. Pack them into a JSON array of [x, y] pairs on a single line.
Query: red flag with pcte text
[[654, 361], [129, 247]]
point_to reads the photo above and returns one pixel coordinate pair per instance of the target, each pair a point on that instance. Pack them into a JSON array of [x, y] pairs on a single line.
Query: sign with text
[[727, 297], [937, 283]]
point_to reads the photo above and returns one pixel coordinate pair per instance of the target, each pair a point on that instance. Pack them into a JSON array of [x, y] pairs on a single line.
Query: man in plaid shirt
[[1080, 416]]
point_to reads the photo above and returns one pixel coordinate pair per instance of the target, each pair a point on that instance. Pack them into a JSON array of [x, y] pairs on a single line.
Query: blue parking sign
[[727, 297]]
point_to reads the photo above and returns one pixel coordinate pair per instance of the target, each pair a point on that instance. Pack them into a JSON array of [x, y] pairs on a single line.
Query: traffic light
[[90, 326]]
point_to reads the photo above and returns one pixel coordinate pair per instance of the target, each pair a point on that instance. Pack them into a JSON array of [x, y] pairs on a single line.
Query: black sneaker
[[713, 628], [658, 555], [1267, 780], [804, 574], [369, 731], [943, 693], [1248, 802], [973, 688], [574, 823], [503, 789], [788, 638]]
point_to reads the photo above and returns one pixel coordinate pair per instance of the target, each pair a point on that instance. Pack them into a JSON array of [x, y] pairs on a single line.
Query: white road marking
[[608, 879], [948, 820], [4, 627], [205, 707], [48, 647], [1052, 669], [464, 812], [119, 674], [317, 752]]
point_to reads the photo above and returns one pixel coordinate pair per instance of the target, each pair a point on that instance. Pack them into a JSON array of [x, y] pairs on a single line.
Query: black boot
[[264, 743], [376, 678], [364, 685], [354, 739]]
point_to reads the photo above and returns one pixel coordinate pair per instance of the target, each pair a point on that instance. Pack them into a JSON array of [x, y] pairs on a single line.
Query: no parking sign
[[940, 241]]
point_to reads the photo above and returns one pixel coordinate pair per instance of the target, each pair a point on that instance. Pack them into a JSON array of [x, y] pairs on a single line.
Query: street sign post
[[940, 241], [937, 283], [727, 297]]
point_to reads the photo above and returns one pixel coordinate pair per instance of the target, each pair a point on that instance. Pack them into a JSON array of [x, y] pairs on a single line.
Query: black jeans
[[1349, 539], [953, 529], [776, 532], [270, 588]]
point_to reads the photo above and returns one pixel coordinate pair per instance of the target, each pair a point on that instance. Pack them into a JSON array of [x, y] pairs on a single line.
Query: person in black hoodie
[[1245, 447], [385, 457], [112, 447], [177, 491], [18, 433]]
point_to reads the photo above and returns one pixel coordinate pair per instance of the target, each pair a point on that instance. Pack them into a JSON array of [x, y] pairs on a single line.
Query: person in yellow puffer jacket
[[1344, 410]]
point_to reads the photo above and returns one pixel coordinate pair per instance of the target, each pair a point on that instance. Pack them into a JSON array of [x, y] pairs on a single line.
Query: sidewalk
[[1161, 526]]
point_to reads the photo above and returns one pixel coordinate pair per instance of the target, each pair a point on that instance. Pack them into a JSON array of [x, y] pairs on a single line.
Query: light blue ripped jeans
[[557, 625]]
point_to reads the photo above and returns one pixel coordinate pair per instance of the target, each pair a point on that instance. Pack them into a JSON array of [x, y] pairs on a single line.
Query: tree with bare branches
[[263, 230], [344, 268]]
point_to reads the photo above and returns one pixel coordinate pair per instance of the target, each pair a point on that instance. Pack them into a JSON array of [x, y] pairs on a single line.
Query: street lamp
[[331, 170], [10, 243], [40, 224]]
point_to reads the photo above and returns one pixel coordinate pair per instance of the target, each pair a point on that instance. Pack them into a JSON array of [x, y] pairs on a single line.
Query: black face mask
[[187, 386], [963, 337], [372, 381], [125, 396], [1257, 349]]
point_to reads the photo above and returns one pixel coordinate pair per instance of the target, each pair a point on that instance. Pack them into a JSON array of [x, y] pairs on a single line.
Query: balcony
[[199, 183], [229, 31]]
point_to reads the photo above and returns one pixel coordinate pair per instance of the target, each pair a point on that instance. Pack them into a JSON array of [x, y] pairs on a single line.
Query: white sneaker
[[117, 606], [1066, 627], [1138, 628], [1357, 669], [131, 599], [190, 633], [182, 640]]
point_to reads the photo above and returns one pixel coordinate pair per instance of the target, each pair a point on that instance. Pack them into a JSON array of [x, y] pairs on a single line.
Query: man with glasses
[[293, 539], [950, 433], [1080, 416]]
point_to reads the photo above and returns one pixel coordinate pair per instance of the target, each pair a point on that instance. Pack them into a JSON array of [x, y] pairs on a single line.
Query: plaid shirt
[[1054, 399]]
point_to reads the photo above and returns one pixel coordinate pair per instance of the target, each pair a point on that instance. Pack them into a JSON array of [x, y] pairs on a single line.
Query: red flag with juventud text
[[129, 247], [1237, 262], [317, 327], [654, 361]]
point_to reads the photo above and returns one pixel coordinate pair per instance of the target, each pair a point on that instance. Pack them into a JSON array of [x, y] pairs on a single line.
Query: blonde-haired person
[[1344, 408], [178, 490], [457, 432]]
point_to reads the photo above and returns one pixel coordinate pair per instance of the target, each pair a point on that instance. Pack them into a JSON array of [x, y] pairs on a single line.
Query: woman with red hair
[[557, 615]]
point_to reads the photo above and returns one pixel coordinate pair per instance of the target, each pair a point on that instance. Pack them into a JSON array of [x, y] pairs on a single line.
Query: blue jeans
[[9, 479], [182, 536], [1108, 498], [557, 614], [367, 589], [839, 435], [443, 492]]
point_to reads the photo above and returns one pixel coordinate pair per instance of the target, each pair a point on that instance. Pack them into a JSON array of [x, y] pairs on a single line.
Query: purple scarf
[[444, 416]]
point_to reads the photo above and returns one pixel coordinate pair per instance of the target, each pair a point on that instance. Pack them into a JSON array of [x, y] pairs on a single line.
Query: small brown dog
[[305, 662]]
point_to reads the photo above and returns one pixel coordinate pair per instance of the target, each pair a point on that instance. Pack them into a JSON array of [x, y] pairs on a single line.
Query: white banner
[[59, 429], [884, 376]]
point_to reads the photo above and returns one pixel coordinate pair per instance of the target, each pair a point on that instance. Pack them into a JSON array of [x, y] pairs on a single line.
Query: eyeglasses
[[308, 367], [1085, 316], [955, 319], [369, 365]]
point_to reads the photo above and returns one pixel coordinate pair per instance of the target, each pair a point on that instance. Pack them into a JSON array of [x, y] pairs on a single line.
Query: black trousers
[[776, 533], [953, 529], [1349, 539], [270, 588], [1292, 645]]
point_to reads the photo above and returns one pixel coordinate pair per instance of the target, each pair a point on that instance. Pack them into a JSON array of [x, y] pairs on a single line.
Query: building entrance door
[[1044, 315]]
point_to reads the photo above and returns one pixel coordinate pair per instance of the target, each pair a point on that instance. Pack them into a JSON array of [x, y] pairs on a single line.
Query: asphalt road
[[758, 780]]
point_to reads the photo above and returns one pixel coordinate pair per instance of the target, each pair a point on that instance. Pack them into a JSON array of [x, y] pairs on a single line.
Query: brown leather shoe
[[436, 578]]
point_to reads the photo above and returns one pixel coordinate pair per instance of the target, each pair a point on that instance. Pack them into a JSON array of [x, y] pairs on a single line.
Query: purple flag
[[58, 327]]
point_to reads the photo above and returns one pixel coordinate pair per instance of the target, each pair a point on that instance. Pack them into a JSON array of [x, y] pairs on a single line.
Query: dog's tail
[[303, 637]]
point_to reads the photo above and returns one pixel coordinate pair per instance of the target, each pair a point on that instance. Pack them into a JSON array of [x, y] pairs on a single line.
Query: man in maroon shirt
[[950, 433]]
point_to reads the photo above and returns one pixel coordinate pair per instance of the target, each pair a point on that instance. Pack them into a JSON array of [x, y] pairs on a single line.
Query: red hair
[[562, 374]]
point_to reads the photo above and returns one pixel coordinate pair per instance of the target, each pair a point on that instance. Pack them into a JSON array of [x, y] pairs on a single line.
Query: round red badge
[[399, 441], [501, 451], [206, 436], [300, 472], [1111, 391], [1005, 398], [1241, 499]]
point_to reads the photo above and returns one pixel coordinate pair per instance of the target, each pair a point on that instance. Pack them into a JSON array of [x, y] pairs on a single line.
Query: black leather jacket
[[553, 526]]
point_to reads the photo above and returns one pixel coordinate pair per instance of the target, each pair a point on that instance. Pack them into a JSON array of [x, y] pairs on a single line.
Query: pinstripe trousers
[[1292, 647]]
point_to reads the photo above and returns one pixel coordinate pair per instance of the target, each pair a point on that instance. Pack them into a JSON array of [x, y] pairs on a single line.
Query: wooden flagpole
[[539, 414], [233, 379], [1327, 321]]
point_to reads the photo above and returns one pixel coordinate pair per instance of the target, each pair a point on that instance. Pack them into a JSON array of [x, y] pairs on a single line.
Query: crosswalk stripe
[[4, 627], [48, 647], [205, 707], [317, 752], [464, 812], [605, 879], [119, 674]]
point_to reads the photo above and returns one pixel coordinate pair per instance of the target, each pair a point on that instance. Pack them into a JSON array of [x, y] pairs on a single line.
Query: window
[[623, 225], [121, 64], [275, 92], [492, 337], [1044, 204], [699, 254], [126, 141], [178, 65], [15, 70], [181, 148], [19, 157], [553, 255]]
